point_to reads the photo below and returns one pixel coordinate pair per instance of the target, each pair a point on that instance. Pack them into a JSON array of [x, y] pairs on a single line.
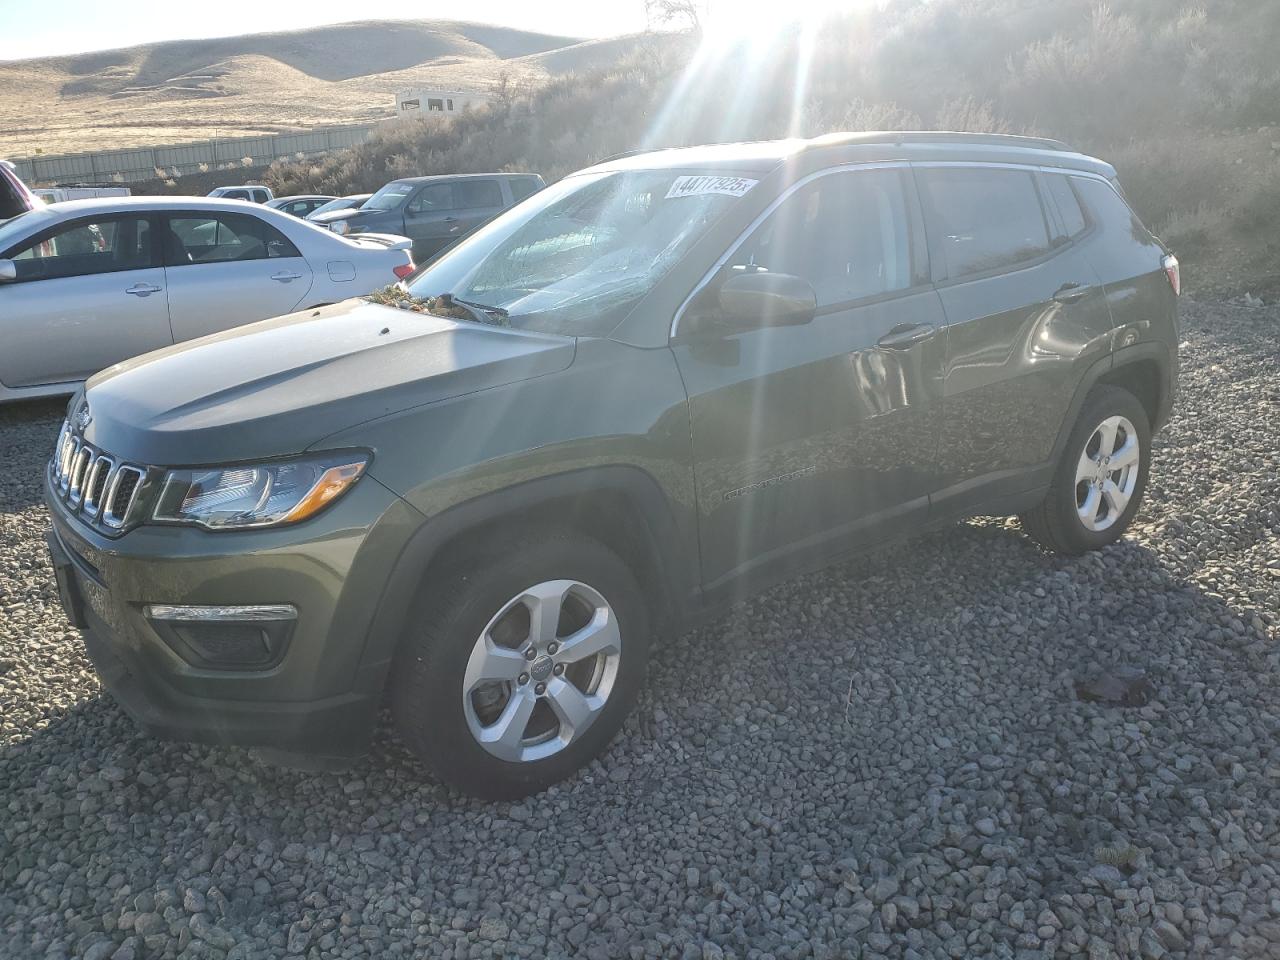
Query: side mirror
[[757, 299], [8, 271]]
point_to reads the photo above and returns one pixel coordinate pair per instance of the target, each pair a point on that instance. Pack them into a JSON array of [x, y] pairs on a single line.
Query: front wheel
[[523, 665], [1100, 479]]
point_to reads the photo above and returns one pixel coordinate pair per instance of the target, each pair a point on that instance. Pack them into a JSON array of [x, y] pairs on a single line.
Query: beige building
[[412, 103]]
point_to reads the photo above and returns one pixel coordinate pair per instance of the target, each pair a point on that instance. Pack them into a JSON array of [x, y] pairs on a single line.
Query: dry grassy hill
[[187, 89]]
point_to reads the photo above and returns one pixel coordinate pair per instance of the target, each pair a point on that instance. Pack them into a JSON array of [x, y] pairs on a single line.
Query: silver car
[[89, 283]]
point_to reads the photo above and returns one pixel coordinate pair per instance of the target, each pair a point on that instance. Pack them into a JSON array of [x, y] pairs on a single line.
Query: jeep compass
[[649, 390]]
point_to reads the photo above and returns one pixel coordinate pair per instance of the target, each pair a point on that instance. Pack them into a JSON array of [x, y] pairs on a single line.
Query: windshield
[[575, 258], [389, 197]]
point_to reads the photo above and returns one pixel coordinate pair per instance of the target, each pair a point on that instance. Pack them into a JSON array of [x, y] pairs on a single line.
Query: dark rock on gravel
[[1123, 686]]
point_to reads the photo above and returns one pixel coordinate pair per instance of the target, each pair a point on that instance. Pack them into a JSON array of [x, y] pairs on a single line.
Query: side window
[[846, 233], [260, 196], [87, 248], [432, 198], [469, 194], [523, 187], [237, 195], [222, 238], [984, 218], [1073, 219]]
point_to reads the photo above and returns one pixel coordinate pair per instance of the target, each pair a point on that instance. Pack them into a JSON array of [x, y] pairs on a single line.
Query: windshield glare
[[575, 258], [389, 197]]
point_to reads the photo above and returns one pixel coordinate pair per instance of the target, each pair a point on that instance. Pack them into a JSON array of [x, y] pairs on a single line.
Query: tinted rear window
[[984, 218], [12, 200]]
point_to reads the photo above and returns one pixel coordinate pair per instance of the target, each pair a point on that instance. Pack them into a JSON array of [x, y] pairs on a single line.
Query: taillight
[[402, 270], [1170, 264]]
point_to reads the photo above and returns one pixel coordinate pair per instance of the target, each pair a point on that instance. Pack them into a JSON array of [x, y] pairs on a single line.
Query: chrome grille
[[94, 485]]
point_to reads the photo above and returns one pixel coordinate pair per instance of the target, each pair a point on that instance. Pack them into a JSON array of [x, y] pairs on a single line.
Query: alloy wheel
[[541, 671], [1107, 473]]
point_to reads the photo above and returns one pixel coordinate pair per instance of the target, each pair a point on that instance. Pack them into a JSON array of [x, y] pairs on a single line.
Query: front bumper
[[320, 696]]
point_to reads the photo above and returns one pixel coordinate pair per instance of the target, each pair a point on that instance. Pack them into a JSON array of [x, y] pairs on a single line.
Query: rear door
[[429, 219], [443, 212], [806, 437], [477, 201], [88, 294], [226, 269], [1025, 314]]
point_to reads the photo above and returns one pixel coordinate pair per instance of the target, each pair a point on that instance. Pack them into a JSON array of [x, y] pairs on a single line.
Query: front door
[[228, 269], [88, 294], [813, 438]]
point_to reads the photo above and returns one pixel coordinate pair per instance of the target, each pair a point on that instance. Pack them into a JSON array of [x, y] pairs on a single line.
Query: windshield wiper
[[447, 304], [496, 311]]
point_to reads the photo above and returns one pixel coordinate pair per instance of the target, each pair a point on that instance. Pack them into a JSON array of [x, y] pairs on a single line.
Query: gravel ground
[[885, 759]]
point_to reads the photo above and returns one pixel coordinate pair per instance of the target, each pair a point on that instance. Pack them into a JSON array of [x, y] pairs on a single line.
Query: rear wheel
[[523, 666], [1100, 479]]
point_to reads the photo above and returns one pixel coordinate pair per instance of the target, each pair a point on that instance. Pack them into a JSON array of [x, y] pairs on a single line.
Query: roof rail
[[944, 136], [628, 153]]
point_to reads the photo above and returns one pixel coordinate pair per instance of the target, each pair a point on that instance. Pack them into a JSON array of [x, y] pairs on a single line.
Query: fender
[[1014, 491], [1154, 350], [671, 554]]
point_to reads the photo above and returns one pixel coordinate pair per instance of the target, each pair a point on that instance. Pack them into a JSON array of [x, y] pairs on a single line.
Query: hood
[[277, 387], [331, 215]]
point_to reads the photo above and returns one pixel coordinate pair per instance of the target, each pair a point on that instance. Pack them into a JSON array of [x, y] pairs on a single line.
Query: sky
[[29, 29]]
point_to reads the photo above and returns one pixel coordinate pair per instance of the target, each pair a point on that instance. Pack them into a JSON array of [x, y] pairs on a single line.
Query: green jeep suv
[[652, 389]]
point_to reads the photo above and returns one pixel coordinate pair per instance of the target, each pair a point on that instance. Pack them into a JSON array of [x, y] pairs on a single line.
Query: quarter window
[[524, 187], [846, 233], [223, 238], [984, 218], [87, 248], [1073, 219]]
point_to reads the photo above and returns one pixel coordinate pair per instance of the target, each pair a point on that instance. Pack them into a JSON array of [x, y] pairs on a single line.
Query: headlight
[[339, 227], [261, 495]]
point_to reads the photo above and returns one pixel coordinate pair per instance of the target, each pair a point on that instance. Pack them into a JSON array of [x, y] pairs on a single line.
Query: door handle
[[286, 277], [1070, 292], [906, 335], [449, 220], [142, 289]]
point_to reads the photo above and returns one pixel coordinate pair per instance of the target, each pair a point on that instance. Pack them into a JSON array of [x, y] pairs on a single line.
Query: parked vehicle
[[302, 205], [252, 192], [657, 387], [15, 197], [435, 212], [88, 283], [79, 192], [350, 202]]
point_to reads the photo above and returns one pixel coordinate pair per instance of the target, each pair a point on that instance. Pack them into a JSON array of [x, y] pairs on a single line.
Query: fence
[[130, 166]]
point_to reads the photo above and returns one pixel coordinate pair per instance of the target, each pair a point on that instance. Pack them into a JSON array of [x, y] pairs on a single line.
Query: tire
[[1077, 515], [479, 623]]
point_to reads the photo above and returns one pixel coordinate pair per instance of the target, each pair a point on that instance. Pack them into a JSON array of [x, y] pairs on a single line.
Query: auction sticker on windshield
[[700, 185]]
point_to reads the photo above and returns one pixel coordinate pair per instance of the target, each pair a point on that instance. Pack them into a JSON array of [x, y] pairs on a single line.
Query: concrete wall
[[132, 166]]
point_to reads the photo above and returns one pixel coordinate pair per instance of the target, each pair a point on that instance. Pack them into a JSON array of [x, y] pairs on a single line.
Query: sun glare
[[728, 23]]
